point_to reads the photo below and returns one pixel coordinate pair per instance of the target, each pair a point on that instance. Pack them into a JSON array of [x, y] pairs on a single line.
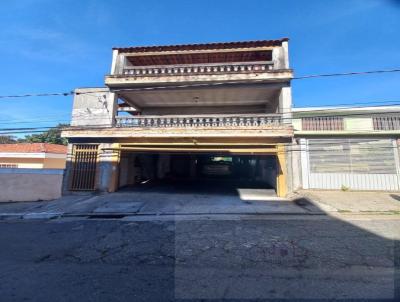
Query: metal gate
[[84, 164], [356, 164]]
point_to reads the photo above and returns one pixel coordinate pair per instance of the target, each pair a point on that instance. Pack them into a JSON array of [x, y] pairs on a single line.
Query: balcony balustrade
[[386, 123], [175, 70], [201, 121]]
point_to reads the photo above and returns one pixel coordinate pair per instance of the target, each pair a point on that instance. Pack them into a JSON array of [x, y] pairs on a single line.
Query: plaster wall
[[94, 107], [30, 184], [30, 163], [54, 163], [358, 123]]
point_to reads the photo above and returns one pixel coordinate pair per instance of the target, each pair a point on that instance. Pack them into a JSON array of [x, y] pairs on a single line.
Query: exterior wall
[[28, 163], [379, 170], [285, 104], [54, 163], [206, 110], [93, 107], [30, 184], [68, 170], [43, 162], [280, 56], [294, 156]]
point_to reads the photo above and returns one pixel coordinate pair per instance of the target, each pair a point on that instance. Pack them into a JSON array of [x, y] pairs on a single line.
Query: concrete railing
[[201, 121], [386, 122], [197, 69], [322, 123]]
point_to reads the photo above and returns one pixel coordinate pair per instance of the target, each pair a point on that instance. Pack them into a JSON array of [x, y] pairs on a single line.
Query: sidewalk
[[246, 202], [353, 202]]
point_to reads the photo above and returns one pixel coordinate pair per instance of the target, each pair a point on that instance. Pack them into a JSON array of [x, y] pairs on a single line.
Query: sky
[[59, 45]]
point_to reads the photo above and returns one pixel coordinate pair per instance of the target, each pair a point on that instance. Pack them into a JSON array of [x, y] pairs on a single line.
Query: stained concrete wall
[[30, 184], [94, 107]]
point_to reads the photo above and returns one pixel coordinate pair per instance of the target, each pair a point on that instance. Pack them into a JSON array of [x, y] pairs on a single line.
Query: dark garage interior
[[206, 173]]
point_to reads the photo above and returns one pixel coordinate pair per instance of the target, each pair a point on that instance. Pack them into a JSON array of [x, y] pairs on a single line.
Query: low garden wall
[[30, 184]]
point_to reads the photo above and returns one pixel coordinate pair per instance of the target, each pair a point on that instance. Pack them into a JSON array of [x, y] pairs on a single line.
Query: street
[[198, 258]]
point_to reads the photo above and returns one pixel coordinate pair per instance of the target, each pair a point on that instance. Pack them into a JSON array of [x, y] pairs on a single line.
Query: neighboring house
[[33, 156], [30, 172], [347, 148], [182, 112]]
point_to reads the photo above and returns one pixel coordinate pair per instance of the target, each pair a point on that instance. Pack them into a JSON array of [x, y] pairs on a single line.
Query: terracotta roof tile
[[33, 148], [222, 45]]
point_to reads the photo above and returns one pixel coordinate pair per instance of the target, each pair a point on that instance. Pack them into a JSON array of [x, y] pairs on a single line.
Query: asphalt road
[[238, 259]]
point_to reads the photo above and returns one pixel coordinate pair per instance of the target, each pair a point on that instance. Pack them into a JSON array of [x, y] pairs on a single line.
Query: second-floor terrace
[[247, 110], [235, 61]]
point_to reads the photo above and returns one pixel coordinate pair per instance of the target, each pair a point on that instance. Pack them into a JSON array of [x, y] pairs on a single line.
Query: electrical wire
[[199, 85]]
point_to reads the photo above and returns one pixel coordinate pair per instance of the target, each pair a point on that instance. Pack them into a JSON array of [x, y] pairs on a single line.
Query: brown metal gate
[[84, 164]]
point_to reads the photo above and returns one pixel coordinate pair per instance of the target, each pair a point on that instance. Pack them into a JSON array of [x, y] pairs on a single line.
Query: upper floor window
[[322, 123], [386, 122]]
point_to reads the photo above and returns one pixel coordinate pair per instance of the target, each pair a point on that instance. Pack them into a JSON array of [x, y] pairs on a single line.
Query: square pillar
[[108, 165], [281, 177], [285, 104]]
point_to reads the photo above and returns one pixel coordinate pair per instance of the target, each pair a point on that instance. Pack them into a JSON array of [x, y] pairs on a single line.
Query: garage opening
[[203, 173]]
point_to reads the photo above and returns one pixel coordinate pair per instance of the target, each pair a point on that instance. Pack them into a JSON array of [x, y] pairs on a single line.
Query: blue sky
[[53, 46]]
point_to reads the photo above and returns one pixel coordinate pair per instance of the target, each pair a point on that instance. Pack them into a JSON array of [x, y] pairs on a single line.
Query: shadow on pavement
[[211, 258]]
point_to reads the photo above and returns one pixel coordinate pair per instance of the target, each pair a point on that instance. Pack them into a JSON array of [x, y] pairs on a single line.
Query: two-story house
[[219, 111]]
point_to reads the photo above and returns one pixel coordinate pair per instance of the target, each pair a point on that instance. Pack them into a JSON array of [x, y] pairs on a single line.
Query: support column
[[285, 104], [281, 176], [107, 180], [68, 170]]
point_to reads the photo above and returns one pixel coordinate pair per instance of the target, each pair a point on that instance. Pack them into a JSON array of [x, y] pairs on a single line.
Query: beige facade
[[32, 161], [167, 108]]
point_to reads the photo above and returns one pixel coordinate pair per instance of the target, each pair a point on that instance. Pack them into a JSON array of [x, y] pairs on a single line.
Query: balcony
[[232, 126], [243, 121], [201, 73], [139, 71]]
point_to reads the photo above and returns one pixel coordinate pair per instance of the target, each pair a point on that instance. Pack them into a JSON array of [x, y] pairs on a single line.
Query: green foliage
[[52, 136]]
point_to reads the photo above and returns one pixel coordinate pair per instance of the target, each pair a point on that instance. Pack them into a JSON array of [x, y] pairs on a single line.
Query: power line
[[37, 95], [4, 131], [199, 85], [345, 74], [345, 112]]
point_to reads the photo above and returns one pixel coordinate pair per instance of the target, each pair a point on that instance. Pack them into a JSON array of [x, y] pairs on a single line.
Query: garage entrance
[[198, 172]]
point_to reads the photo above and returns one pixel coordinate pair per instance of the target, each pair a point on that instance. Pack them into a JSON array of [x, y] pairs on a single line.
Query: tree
[[52, 136], [7, 139]]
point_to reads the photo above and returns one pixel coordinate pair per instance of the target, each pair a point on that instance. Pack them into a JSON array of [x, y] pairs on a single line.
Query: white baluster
[[235, 121]]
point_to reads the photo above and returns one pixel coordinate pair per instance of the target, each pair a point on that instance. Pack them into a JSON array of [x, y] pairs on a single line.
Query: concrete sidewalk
[[352, 202], [246, 201]]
